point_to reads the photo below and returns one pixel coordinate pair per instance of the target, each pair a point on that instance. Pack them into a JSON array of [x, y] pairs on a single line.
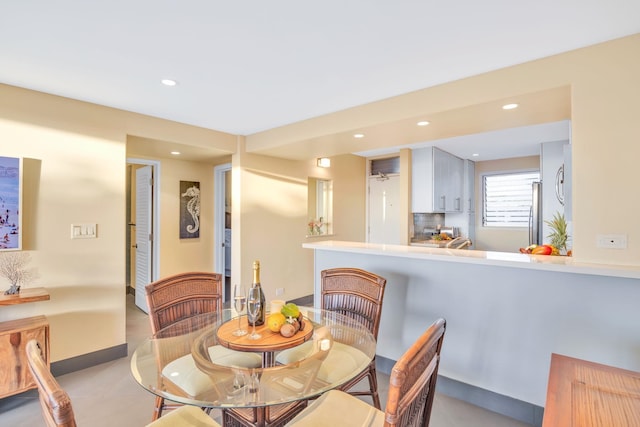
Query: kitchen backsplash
[[428, 221]]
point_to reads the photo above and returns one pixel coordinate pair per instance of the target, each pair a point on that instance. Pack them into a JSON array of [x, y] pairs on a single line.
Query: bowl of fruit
[[288, 321]]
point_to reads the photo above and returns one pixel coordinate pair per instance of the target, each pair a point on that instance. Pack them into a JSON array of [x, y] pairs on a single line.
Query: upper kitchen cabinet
[[469, 188], [437, 181]]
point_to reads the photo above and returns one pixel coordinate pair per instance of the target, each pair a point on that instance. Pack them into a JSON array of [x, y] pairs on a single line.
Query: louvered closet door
[[144, 177]]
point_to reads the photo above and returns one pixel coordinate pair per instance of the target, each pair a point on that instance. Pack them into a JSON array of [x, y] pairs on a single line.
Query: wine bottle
[[256, 284]]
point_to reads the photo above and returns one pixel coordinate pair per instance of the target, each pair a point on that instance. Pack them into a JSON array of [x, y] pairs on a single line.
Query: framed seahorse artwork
[[10, 202], [189, 209]]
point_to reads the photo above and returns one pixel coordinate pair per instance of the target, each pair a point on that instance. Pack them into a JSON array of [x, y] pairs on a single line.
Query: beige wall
[[605, 86], [497, 238], [75, 172], [80, 150], [178, 255], [273, 217], [77, 176]]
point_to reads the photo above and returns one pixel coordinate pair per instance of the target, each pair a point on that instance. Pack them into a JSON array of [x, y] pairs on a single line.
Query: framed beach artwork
[[10, 203], [189, 209]]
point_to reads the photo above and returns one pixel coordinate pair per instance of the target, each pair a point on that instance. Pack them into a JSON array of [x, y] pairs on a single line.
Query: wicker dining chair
[[177, 298], [58, 411], [412, 386], [357, 294]]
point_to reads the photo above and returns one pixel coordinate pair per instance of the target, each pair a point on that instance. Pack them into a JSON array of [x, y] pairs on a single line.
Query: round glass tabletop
[[197, 361]]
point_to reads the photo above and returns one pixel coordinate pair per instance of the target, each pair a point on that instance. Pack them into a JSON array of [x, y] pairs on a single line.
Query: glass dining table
[[264, 382]]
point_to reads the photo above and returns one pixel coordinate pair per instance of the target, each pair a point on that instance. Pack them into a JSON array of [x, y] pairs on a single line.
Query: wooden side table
[[15, 376]]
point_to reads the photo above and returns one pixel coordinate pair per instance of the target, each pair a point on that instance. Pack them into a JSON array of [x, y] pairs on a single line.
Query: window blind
[[507, 199]]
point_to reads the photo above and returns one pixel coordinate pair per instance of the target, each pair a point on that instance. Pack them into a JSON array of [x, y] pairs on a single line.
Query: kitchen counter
[[506, 314], [504, 259], [430, 243]]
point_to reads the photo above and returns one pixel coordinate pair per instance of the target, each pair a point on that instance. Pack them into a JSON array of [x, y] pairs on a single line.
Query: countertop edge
[[560, 264]]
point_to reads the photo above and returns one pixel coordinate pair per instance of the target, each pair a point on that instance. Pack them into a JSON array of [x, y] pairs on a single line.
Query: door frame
[[219, 190], [155, 217]]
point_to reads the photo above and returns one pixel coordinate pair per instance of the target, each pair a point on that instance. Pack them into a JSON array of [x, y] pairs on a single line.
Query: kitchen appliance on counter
[[435, 240], [452, 232], [429, 232]]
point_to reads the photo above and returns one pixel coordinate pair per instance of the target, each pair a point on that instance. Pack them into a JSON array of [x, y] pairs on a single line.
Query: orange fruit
[[275, 321]]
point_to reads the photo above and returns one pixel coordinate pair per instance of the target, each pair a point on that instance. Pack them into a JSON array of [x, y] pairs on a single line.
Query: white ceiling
[[245, 66]]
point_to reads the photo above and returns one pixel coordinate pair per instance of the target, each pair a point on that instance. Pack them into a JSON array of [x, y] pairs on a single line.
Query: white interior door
[[384, 210], [144, 235]]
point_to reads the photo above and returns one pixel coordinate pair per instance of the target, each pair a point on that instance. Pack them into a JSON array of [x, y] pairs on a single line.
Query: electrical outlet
[[612, 241], [279, 291]]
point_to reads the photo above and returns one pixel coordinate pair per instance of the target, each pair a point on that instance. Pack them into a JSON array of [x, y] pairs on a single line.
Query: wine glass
[[239, 301], [253, 309]]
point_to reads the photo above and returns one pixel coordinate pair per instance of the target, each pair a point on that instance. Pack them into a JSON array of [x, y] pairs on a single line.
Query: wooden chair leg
[[373, 386], [157, 410]]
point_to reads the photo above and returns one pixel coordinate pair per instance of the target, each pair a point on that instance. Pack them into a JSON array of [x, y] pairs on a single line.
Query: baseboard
[[501, 404], [88, 360]]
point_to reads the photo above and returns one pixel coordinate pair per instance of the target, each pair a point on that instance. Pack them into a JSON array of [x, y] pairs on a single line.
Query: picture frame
[[10, 203], [189, 209]]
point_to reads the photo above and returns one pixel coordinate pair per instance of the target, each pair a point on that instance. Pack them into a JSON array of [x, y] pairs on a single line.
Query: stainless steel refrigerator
[[535, 215]]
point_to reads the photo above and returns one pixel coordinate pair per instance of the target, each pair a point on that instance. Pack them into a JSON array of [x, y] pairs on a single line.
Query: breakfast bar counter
[[561, 264], [506, 314]]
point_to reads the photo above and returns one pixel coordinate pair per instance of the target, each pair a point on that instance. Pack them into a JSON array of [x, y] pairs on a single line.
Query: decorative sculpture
[[13, 266]]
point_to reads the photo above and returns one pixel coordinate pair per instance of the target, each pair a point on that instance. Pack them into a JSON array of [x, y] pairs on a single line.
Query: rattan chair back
[[357, 294], [176, 298], [181, 296], [56, 405], [412, 383], [354, 293]]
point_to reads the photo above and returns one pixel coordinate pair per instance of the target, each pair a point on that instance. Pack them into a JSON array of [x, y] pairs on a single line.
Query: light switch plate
[[84, 231]]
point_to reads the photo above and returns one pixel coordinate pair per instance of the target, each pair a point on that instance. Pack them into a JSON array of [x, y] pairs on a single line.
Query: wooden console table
[[15, 376], [588, 394], [25, 296]]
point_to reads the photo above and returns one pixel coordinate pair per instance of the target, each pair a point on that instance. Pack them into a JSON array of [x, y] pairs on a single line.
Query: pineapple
[[558, 234]]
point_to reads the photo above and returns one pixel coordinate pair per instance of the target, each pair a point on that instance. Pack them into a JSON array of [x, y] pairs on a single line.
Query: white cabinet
[[437, 181], [469, 189]]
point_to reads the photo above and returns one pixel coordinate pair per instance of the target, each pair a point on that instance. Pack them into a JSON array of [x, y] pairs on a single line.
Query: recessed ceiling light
[[423, 123], [475, 154], [175, 153], [509, 106], [358, 135], [169, 82]]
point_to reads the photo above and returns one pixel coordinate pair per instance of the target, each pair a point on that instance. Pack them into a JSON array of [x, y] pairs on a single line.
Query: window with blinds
[[507, 199]]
